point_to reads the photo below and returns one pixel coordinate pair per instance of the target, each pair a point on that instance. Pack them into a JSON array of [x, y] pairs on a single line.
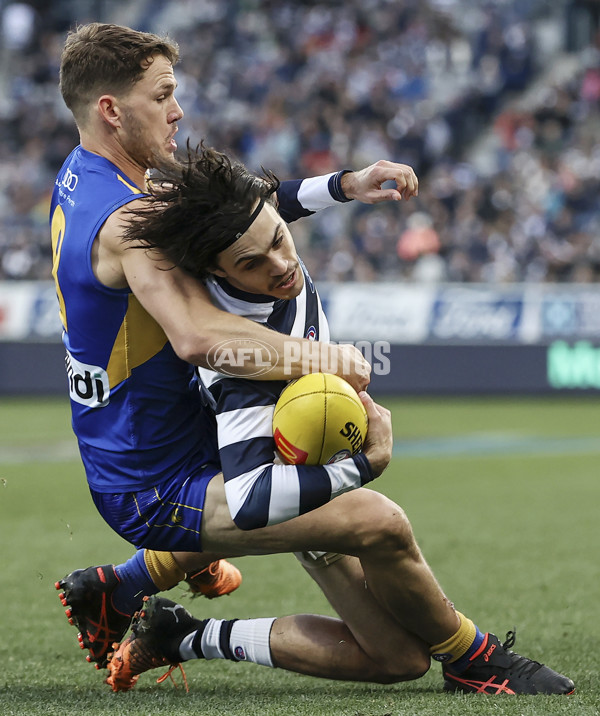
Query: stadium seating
[[304, 88]]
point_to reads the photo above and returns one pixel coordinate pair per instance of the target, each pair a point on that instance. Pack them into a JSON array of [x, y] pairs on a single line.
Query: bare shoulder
[[109, 248], [111, 235]]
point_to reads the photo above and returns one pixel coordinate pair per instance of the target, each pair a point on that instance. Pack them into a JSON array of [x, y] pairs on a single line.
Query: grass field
[[503, 497]]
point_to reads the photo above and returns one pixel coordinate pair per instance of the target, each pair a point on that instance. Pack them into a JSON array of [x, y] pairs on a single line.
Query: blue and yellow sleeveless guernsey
[[137, 410]]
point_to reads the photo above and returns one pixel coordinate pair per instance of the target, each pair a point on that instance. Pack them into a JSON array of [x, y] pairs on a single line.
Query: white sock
[[250, 640], [240, 640]]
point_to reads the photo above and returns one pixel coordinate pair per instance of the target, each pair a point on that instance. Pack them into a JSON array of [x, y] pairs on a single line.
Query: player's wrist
[[377, 449], [340, 185], [364, 467], [377, 460]]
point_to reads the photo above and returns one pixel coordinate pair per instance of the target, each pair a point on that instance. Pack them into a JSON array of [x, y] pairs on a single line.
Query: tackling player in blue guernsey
[[133, 330]]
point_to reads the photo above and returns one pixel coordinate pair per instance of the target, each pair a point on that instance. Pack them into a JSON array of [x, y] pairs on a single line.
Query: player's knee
[[384, 526], [412, 666], [418, 666]]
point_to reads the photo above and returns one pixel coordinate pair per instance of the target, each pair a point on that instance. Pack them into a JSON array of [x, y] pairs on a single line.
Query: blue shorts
[[167, 517]]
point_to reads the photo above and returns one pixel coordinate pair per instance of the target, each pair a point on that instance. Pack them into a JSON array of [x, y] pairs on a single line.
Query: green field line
[[61, 451], [493, 444], [477, 444]]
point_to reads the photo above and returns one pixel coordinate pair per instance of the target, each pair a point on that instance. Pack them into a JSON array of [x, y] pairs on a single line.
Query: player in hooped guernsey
[[259, 491]]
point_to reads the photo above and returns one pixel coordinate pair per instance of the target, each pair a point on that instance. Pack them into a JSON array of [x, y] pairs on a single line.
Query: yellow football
[[319, 419]]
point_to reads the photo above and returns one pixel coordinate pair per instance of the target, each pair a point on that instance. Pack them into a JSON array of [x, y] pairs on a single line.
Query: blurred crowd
[[308, 87]]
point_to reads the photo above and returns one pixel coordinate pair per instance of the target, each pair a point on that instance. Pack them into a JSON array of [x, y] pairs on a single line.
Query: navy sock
[[135, 583], [464, 662]]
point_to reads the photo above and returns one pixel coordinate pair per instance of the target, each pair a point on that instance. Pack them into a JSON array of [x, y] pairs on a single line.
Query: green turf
[[509, 526]]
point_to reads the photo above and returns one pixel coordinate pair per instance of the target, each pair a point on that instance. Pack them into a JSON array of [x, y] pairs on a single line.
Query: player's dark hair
[[197, 208], [102, 58]]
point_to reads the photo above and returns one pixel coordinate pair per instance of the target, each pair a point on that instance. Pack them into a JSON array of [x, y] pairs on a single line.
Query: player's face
[[150, 114], [264, 259]]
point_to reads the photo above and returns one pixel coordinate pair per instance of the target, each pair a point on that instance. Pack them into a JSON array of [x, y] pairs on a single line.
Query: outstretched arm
[[299, 198]]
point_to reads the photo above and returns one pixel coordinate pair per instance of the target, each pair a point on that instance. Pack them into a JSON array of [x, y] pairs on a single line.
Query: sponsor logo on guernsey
[[88, 384], [70, 180], [311, 334]]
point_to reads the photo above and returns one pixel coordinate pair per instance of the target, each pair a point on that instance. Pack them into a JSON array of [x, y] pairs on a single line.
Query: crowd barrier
[[422, 339]]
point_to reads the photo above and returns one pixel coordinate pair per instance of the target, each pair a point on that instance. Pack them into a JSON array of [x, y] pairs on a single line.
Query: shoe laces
[[207, 574], [522, 666], [169, 673], [142, 660], [511, 638]]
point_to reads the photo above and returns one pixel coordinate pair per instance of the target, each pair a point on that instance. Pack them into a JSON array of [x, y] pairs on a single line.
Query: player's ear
[[109, 109], [217, 271]]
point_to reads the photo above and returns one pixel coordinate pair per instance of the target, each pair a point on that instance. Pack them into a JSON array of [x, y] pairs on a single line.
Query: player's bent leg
[[344, 525], [367, 525], [165, 634], [324, 647], [398, 653], [362, 523]]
